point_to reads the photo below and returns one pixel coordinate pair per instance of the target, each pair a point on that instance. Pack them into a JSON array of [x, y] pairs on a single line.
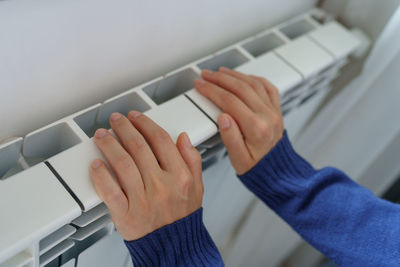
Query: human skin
[[159, 182], [252, 122]]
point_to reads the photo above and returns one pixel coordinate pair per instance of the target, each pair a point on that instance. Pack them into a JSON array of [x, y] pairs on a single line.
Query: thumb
[[234, 143], [190, 155]]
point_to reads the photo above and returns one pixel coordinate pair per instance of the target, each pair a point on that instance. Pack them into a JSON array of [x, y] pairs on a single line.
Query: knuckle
[[257, 86], [229, 99], [113, 197], [123, 162], [218, 76], [183, 176], [158, 180], [186, 183], [271, 87], [263, 129], [161, 136], [135, 143], [155, 175], [255, 83], [238, 86], [274, 90], [264, 81]]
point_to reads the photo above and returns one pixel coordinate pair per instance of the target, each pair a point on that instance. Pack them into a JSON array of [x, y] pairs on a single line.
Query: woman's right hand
[[252, 122]]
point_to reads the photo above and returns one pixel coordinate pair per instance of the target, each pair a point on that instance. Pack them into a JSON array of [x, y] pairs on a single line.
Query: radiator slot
[[90, 216], [122, 104], [87, 121], [47, 142], [55, 252], [10, 158], [263, 44], [229, 59], [297, 28], [171, 86], [209, 162], [308, 97], [98, 117], [81, 239], [211, 142], [55, 238], [293, 93], [290, 103], [81, 245], [209, 153], [85, 232]]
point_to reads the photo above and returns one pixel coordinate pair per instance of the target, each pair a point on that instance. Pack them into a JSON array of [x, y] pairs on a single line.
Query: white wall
[[368, 15], [58, 57]]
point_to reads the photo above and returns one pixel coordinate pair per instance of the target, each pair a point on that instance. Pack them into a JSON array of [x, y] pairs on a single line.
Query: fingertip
[[100, 133], [189, 154], [224, 122], [206, 72], [199, 83], [115, 116], [133, 114], [224, 69], [184, 141], [96, 164]]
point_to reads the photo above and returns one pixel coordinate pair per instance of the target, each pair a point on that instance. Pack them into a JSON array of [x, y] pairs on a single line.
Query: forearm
[[185, 242], [339, 217]]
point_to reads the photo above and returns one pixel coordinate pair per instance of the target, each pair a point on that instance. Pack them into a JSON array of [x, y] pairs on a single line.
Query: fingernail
[[207, 72], [224, 69], [200, 82], [134, 114], [96, 163], [115, 116], [100, 133], [186, 141], [224, 122]]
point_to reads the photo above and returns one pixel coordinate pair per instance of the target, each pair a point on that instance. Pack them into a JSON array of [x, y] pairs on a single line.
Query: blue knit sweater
[[342, 219]]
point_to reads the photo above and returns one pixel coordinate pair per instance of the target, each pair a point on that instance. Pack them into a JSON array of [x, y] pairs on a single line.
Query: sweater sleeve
[[185, 242], [342, 219]]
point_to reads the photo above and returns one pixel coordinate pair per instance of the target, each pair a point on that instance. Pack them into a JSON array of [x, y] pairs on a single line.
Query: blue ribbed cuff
[[279, 176], [185, 242]]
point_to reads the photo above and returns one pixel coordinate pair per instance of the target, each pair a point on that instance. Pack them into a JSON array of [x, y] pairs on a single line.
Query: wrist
[[186, 241], [280, 174]]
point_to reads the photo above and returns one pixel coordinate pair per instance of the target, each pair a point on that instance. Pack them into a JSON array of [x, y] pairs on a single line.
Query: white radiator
[[50, 212]]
